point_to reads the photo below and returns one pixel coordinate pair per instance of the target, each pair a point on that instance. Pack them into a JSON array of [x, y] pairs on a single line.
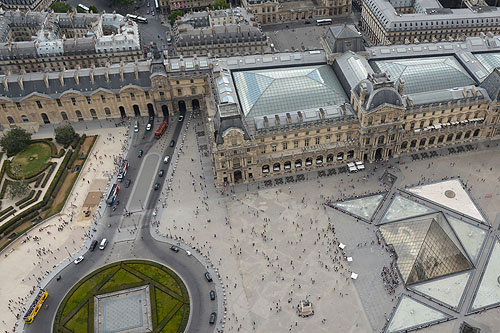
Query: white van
[[136, 127], [104, 242], [166, 159]]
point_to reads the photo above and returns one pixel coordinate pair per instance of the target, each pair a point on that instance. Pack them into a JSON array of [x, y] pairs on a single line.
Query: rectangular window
[[132, 96], [179, 92], [296, 144], [193, 91], [367, 141], [118, 98], [58, 102], [306, 142], [285, 145], [89, 100], [338, 137], [73, 100], [273, 147], [39, 104], [4, 107], [263, 149], [318, 140], [18, 105], [146, 93]]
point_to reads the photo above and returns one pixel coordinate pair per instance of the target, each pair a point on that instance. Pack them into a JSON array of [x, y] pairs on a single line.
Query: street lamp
[[142, 207], [68, 252]]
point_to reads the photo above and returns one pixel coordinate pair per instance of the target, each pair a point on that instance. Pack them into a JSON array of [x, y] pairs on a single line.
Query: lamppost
[[68, 252], [142, 207]]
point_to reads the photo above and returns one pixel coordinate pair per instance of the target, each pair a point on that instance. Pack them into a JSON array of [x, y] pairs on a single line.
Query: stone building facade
[[26, 5]]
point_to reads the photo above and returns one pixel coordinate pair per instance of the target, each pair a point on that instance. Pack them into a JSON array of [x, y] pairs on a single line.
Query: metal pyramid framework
[[426, 248]]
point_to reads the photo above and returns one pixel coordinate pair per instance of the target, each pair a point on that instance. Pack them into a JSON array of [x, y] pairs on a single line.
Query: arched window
[[413, 143], [276, 167], [319, 160], [11, 120], [45, 118], [309, 161], [381, 140], [24, 118], [422, 142], [64, 116], [298, 163], [329, 158], [79, 115], [340, 156], [431, 140], [441, 139], [404, 145], [350, 154], [458, 136], [93, 114], [467, 135], [107, 112], [287, 165], [476, 132], [265, 168]]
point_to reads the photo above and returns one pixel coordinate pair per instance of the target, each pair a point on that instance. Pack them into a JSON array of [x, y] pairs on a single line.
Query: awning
[[342, 245], [354, 276], [349, 259]]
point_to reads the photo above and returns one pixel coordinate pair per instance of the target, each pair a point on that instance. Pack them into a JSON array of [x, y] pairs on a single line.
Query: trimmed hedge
[[48, 174], [4, 188], [61, 153], [35, 199], [6, 210], [10, 213], [75, 141], [28, 197], [11, 175], [53, 147], [39, 180]]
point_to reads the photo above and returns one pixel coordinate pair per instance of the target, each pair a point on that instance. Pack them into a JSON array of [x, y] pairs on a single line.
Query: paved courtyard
[[273, 247]]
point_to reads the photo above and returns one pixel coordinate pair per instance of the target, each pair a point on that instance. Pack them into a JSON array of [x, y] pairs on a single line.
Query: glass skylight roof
[[279, 90], [489, 60], [362, 207], [425, 74]]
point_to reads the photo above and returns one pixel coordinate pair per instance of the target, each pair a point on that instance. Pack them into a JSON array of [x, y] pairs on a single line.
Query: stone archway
[[182, 106], [137, 113], [195, 104], [123, 114], [151, 110], [237, 176], [164, 110], [379, 154]]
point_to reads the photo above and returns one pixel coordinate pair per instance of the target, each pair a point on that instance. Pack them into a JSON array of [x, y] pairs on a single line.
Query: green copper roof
[[279, 90], [425, 74]]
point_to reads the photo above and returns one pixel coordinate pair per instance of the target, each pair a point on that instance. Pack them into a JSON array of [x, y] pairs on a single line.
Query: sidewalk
[[60, 236]]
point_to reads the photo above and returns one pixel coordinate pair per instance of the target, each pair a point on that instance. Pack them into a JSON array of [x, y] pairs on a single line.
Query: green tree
[[174, 15], [93, 9], [220, 4], [65, 134], [16, 140], [61, 7], [18, 189]]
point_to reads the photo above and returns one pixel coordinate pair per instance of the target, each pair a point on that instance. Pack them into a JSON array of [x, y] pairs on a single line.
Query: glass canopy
[[425, 74], [279, 90], [489, 60]]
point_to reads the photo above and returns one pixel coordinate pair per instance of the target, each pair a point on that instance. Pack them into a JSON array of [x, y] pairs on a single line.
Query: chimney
[[277, 119], [20, 81], [464, 92], [106, 75], [288, 118], [5, 83], [474, 91], [362, 94], [301, 119], [91, 75], [122, 75], [322, 113], [409, 101], [61, 77], [266, 122], [401, 86], [46, 79], [136, 70], [77, 79]]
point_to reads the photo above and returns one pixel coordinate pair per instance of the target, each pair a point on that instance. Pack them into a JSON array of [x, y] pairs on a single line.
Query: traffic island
[[150, 296]]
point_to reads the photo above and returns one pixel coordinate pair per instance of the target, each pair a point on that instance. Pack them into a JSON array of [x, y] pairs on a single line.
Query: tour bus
[[83, 7], [159, 132], [136, 18], [112, 195], [324, 22], [35, 306], [157, 6], [123, 171]]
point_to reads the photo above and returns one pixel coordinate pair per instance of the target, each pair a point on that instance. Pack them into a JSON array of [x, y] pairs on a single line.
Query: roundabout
[[132, 295]]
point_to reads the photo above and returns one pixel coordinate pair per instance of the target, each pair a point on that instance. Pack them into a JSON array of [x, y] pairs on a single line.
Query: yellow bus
[[35, 306]]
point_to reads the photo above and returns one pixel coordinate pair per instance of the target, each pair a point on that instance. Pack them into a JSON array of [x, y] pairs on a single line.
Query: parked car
[[161, 173], [172, 143], [78, 260], [93, 245], [140, 153], [181, 118], [103, 244], [148, 127], [127, 183], [212, 295], [157, 186], [174, 248], [208, 277], [213, 317]]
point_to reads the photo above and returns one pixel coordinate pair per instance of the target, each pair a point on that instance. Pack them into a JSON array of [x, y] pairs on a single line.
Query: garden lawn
[[39, 153], [80, 321], [164, 304], [159, 275], [173, 324]]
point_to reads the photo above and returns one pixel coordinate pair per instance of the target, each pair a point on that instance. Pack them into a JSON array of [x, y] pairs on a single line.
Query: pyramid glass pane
[[450, 194], [362, 207], [448, 290], [411, 313], [280, 90], [489, 60], [401, 208], [424, 250], [472, 237], [488, 292], [425, 74]]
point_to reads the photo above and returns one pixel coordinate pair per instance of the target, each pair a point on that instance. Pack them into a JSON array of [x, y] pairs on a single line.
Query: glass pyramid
[[426, 248], [411, 313], [402, 207], [471, 237], [361, 207], [488, 292]]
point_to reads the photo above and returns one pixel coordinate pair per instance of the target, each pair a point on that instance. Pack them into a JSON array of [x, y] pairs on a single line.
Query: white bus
[[324, 22], [83, 7], [157, 6], [136, 18]]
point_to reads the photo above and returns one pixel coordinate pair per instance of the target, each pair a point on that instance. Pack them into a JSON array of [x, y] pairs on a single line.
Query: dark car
[[172, 143], [174, 248], [127, 183], [140, 153], [213, 317], [212, 295], [157, 186], [151, 119], [208, 277], [161, 173], [93, 245], [308, 22]]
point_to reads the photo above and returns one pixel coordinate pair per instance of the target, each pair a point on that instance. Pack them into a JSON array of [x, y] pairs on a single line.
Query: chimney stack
[[5, 83], [46, 79], [20, 81]]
